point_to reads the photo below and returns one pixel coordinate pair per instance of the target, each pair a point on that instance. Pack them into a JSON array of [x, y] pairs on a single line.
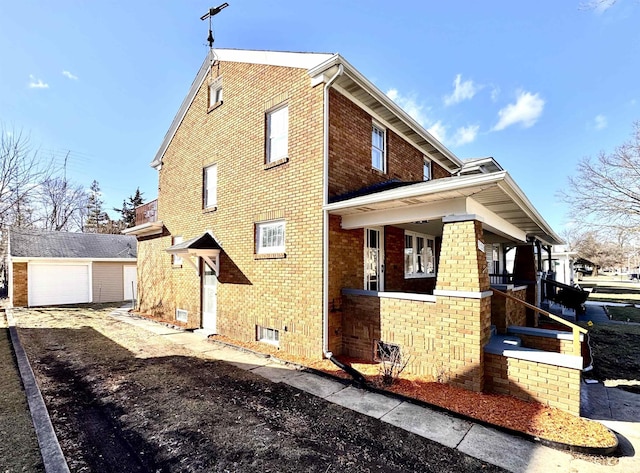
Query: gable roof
[[31, 243], [318, 66]]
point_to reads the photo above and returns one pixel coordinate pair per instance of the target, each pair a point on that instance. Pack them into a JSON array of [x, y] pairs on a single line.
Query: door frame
[[214, 327], [381, 256]]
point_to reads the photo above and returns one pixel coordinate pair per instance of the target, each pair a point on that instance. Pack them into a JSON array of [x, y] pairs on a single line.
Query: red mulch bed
[[506, 411]]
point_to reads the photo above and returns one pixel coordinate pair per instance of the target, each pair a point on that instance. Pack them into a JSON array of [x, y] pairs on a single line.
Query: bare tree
[[21, 172], [606, 190], [62, 204]]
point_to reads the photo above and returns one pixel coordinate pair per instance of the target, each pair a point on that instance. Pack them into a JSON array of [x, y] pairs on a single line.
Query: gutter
[[325, 216]]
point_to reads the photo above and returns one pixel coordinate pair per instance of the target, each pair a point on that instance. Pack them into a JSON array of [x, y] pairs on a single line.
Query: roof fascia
[[435, 186], [367, 85], [511, 188], [182, 111]]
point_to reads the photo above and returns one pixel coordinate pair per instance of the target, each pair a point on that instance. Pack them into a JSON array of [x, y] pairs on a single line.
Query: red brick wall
[[279, 292], [394, 266], [350, 151], [551, 385], [20, 285]]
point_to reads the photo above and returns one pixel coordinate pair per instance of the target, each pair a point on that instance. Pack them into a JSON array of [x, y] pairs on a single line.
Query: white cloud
[[599, 6], [461, 91], [495, 92], [37, 83], [419, 113], [600, 122], [411, 106], [526, 110], [439, 131], [69, 75], [465, 134]]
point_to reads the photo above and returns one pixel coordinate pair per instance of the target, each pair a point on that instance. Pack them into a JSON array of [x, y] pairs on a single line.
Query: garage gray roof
[[31, 243]]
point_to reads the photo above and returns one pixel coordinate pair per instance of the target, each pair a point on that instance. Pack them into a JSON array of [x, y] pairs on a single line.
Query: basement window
[[383, 351], [181, 315], [268, 335]]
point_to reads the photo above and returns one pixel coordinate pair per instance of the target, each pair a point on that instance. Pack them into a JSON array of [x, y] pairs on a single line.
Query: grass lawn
[[624, 314], [615, 354], [19, 449]]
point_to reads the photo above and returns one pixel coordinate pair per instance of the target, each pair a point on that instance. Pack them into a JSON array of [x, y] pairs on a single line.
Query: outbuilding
[[53, 268]]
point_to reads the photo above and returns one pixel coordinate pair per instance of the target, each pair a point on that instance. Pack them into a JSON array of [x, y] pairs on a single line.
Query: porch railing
[[503, 278], [575, 329], [146, 213]]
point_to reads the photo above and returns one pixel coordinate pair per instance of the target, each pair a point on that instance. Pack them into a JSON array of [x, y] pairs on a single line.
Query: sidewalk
[[507, 451]]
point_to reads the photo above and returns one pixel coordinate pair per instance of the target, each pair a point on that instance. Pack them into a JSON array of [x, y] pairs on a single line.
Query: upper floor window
[[378, 147], [426, 170], [210, 187], [419, 250], [270, 237], [215, 93], [175, 259], [277, 134]]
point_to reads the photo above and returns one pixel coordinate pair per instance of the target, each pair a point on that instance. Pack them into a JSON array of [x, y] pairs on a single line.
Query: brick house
[[298, 205]]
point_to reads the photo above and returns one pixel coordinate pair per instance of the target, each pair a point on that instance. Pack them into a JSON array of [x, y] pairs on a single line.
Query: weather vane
[[211, 13]]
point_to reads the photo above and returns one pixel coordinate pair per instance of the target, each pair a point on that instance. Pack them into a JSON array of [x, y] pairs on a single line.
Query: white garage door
[[52, 284]]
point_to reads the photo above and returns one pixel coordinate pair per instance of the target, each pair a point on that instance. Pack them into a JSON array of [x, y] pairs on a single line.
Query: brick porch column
[[524, 269], [463, 305]]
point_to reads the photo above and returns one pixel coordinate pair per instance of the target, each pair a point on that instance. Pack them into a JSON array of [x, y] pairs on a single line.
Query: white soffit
[[273, 58]]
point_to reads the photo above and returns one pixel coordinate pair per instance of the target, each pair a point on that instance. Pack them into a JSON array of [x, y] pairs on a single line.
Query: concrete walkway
[[510, 452]]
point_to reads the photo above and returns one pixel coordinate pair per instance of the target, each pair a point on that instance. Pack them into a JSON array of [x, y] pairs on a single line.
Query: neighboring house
[[51, 268], [299, 206]]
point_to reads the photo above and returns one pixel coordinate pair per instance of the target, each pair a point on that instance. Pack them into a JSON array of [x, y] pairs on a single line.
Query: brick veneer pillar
[[463, 305], [524, 270]]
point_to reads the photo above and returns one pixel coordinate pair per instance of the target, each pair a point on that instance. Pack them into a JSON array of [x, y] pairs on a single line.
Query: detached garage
[[54, 268]]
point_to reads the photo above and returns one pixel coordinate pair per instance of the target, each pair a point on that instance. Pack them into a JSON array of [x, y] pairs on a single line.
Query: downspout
[[325, 218]]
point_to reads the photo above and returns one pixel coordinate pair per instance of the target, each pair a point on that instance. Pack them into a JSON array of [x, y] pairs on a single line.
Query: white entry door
[[374, 259], [130, 282], [209, 297]]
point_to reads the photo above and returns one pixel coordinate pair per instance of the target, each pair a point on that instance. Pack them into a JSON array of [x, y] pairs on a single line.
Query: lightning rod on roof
[[211, 13]]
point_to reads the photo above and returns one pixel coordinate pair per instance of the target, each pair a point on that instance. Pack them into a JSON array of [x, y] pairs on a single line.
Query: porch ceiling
[[494, 197]]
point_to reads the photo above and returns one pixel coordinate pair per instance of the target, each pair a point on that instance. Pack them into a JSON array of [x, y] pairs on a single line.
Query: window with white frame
[[175, 259], [210, 186], [267, 335], [419, 251], [378, 147], [215, 92], [277, 134], [426, 170], [270, 237]]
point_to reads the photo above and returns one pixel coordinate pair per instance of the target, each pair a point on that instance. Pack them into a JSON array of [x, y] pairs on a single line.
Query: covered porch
[[409, 271]]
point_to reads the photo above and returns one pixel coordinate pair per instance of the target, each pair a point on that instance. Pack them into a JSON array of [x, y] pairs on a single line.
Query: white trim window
[[267, 335], [210, 186], [270, 237], [215, 93], [175, 259], [277, 134], [378, 147], [419, 259], [426, 170]]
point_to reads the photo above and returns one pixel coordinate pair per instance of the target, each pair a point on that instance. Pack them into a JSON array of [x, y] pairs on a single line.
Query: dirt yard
[[122, 400]]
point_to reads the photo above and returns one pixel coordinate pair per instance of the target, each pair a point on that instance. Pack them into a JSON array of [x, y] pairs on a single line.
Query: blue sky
[[537, 85]]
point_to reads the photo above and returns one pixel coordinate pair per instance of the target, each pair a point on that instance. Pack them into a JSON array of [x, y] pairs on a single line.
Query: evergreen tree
[[97, 218], [128, 210]]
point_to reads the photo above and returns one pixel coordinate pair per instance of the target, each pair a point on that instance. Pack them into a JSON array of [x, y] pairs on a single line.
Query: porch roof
[[195, 245], [494, 198]]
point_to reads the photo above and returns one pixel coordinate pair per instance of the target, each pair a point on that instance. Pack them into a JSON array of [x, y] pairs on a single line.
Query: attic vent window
[[215, 94], [181, 315]]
